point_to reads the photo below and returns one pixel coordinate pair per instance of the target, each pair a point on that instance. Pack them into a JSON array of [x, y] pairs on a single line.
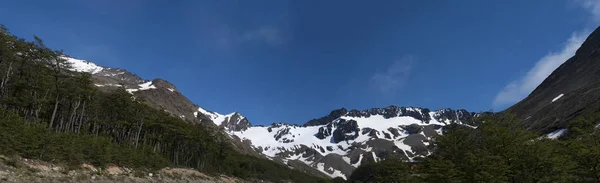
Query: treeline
[[50, 113], [499, 150]]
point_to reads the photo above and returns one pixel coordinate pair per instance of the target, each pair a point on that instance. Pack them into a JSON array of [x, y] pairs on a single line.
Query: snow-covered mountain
[[341, 141]]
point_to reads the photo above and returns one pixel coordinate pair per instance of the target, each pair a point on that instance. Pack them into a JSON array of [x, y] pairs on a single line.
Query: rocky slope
[[572, 89], [158, 93]]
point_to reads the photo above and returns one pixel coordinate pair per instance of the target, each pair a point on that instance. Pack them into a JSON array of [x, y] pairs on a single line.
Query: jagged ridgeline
[[50, 113]]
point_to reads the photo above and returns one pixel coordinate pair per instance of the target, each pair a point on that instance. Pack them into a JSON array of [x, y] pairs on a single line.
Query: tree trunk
[[54, 111], [81, 117], [5, 80], [137, 138]]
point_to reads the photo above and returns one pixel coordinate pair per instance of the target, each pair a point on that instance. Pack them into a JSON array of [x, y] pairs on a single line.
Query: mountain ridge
[[337, 143], [338, 151]]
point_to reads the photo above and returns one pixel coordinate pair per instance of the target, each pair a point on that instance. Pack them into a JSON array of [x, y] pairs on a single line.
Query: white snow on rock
[[83, 66], [336, 173], [374, 157], [557, 97], [556, 133], [147, 86], [144, 86], [217, 118], [211, 114], [116, 85], [171, 89]]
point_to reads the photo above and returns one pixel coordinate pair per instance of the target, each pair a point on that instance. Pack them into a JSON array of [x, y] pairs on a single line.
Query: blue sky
[[291, 61]]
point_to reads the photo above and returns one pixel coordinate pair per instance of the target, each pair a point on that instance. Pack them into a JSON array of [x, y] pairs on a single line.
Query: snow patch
[[114, 74], [336, 173], [143, 86], [147, 86], [374, 157], [83, 66], [116, 85], [556, 133], [347, 160], [171, 89], [217, 118], [209, 113], [557, 97], [401, 145]]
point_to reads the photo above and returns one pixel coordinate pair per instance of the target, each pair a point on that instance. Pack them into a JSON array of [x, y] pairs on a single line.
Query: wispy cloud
[[519, 89], [229, 39], [592, 6], [270, 35], [395, 76]]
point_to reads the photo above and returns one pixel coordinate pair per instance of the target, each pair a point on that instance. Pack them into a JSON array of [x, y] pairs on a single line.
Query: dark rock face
[[324, 132], [453, 115], [346, 130], [386, 135], [385, 148], [578, 79], [281, 133], [354, 155], [415, 141], [394, 132], [430, 130], [374, 133], [366, 131], [236, 122], [413, 129], [327, 119]]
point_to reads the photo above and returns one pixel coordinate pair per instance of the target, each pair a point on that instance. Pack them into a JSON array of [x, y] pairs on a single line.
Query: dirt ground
[[17, 170]]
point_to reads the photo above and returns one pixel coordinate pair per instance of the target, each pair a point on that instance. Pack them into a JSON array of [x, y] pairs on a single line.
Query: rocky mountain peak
[[235, 122], [324, 120], [161, 83], [591, 44]]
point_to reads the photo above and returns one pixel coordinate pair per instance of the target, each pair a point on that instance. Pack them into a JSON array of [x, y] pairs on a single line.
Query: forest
[[50, 113], [499, 150]]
